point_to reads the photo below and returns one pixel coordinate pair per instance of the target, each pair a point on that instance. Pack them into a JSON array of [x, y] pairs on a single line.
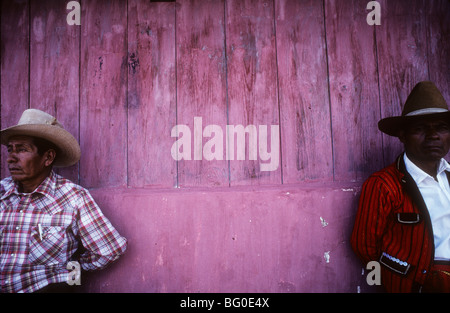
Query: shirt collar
[[46, 188], [418, 174]]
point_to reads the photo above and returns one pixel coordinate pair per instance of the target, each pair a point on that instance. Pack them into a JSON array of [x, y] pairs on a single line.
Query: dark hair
[[44, 145]]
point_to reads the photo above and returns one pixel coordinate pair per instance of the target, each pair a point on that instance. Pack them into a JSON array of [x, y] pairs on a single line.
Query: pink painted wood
[[14, 66], [252, 81], [353, 90], [437, 15], [201, 87], [103, 106], [402, 60], [151, 94], [303, 95], [54, 68], [228, 62]]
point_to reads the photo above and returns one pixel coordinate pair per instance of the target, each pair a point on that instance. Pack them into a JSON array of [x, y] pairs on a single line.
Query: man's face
[[24, 163], [427, 140]]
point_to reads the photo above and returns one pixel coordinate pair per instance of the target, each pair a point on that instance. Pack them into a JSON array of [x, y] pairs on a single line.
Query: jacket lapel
[[410, 186], [411, 189]]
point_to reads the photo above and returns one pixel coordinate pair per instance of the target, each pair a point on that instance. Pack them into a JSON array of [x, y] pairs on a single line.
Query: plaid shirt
[[41, 231]]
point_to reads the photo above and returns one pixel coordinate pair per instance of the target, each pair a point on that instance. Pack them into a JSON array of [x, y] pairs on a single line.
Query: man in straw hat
[[403, 219], [47, 222]]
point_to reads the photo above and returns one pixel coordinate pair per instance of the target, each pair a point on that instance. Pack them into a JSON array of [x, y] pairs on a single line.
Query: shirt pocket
[[48, 245]]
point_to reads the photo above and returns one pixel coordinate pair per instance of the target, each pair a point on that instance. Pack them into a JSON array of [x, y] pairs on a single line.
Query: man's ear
[[50, 157]]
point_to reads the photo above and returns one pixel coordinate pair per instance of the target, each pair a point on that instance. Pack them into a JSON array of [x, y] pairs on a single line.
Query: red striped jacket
[[393, 227]]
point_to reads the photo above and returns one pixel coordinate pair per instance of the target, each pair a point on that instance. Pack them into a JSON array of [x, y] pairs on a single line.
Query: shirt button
[[424, 271], [17, 227]]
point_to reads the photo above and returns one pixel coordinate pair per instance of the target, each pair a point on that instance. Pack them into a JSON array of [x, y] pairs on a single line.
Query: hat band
[[426, 111]]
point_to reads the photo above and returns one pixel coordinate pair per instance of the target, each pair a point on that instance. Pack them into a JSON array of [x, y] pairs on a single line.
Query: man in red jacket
[[403, 219]]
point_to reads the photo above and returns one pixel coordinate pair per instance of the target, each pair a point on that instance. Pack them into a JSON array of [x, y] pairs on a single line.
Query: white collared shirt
[[436, 195]]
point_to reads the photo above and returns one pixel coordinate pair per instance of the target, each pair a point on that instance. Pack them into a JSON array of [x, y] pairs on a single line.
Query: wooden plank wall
[[133, 70]]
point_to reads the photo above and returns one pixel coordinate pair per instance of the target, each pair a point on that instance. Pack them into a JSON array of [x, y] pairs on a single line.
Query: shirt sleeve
[[101, 241], [375, 204]]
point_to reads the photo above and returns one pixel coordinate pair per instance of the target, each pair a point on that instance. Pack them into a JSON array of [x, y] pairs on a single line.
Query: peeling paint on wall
[[326, 256]]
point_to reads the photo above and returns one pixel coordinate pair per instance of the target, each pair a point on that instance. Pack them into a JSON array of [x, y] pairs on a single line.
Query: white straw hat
[[36, 123]]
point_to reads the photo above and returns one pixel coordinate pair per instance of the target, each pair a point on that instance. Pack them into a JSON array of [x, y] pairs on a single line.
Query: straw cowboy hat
[[425, 100], [36, 123]]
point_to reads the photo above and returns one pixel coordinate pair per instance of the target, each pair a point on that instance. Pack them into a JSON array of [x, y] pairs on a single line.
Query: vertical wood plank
[[54, 67], [438, 34], [353, 90], [201, 88], [438, 43], [151, 93], [304, 102], [402, 60], [103, 104], [14, 66], [252, 82]]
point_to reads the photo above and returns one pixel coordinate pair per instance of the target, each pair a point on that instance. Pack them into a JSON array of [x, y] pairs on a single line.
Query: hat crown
[[425, 98], [34, 116], [36, 123]]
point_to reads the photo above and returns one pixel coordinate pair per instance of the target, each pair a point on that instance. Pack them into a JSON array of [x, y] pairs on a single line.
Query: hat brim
[[393, 125], [69, 150]]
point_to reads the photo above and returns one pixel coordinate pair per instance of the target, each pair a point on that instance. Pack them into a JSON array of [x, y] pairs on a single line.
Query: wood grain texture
[[14, 66], [54, 68], [201, 87], [103, 106], [252, 81], [226, 62], [402, 60], [151, 94], [146, 67], [438, 43], [353, 90], [304, 102]]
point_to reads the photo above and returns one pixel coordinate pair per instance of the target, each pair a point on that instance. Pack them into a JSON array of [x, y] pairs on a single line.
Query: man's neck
[[430, 167], [29, 186]]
